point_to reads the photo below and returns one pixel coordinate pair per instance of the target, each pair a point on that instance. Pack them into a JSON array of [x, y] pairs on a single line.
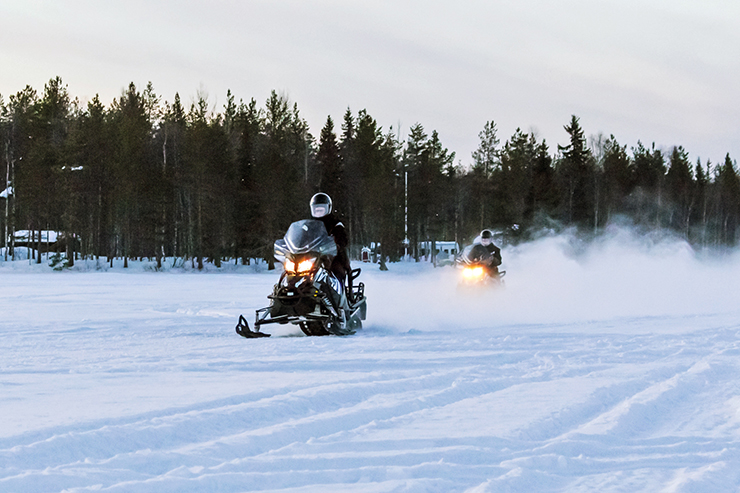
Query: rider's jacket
[[490, 254], [340, 265]]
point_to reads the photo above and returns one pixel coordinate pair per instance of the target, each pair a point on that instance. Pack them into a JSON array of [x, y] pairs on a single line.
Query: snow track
[[137, 382]]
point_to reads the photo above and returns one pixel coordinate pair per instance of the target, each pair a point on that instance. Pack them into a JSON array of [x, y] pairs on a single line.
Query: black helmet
[[486, 237], [320, 205]]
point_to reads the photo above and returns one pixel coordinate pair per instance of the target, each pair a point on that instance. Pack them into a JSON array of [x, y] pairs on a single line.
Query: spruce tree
[[21, 118], [329, 161], [618, 177], [699, 213], [249, 224], [47, 174], [133, 165], [418, 195], [679, 190], [728, 184], [90, 152], [352, 177], [649, 169], [513, 178], [173, 140], [543, 195], [485, 161], [575, 170]]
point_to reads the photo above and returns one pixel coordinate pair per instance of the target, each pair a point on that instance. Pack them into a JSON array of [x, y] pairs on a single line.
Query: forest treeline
[[143, 177]]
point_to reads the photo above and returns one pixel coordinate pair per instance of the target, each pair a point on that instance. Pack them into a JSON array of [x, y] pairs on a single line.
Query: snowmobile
[[308, 294], [476, 269]]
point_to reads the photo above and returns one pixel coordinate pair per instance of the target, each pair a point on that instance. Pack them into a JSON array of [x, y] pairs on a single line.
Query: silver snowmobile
[[308, 294]]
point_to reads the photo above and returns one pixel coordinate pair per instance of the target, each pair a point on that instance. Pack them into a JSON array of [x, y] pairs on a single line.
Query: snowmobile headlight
[[306, 265], [473, 272], [289, 265]]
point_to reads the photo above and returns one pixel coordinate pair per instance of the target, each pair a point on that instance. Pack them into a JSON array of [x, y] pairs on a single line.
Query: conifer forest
[[147, 178]]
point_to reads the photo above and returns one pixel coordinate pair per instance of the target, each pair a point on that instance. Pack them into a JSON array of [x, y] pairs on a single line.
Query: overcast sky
[[660, 71]]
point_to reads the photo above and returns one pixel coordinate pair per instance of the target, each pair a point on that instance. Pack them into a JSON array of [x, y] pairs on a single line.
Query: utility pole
[[405, 203], [6, 196], [406, 212]]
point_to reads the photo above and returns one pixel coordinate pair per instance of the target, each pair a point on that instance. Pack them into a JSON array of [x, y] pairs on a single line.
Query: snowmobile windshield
[[308, 235], [474, 254]]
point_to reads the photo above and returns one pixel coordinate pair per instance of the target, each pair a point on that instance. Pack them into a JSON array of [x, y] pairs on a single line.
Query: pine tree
[[390, 190], [46, 175], [486, 156], [352, 178], [369, 167], [543, 195], [418, 195], [249, 226], [430, 192], [133, 166], [728, 184], [513, 178], [331, 171], [699, 213], [173, 141], [649, 169], [280, 168], [575, 170], [679, 184], [438, 164], [618, 177], [20, 119], [485, 161], [209, 181], [90, 153]]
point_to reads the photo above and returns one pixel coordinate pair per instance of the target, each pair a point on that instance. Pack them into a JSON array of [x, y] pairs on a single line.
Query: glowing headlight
[[289, 265], [305, 265], [473, 272]]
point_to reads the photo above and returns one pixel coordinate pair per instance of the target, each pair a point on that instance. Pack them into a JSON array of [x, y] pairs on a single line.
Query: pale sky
[[660, 71]]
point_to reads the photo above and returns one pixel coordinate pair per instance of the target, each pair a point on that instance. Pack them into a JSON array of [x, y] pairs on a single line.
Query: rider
[[488, 253], [321, 209]]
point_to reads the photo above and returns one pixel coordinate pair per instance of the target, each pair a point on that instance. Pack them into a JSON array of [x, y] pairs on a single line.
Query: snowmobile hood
[[307, 235]]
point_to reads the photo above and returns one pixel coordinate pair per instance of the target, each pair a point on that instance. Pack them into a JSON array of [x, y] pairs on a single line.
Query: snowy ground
[[612, 368]]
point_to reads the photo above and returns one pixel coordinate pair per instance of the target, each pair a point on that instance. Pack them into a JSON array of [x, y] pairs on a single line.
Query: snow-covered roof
[[46, 236]]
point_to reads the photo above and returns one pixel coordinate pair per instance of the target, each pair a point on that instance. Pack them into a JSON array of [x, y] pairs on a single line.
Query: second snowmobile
[[308, 294], [477, 268]]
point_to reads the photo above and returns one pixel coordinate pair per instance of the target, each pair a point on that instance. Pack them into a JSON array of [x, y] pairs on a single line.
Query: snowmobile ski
[[242, 328]]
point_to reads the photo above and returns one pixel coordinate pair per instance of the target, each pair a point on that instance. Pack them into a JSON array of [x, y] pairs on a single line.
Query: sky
[[649, 70]]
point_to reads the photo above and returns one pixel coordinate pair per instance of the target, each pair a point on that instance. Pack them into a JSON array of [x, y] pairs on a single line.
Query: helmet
[[320, 205], [486, 237]]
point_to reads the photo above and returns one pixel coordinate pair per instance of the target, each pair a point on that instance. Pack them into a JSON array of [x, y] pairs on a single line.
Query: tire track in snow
[[323, 412], [123, 434], [627, 440], [373, 426]]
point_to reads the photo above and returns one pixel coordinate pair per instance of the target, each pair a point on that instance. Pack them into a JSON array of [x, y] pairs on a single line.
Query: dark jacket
[[340, 264], [495, 253], [490, 254], [336, 229]]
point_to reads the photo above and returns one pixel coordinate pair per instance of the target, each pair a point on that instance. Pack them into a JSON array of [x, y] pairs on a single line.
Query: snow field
[[610, 368]]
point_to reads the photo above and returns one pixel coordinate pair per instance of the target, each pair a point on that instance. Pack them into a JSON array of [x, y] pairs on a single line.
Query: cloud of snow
[[563, 280]]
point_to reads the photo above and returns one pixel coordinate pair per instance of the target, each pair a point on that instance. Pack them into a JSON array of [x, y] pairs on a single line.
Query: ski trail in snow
[[494, 406]]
